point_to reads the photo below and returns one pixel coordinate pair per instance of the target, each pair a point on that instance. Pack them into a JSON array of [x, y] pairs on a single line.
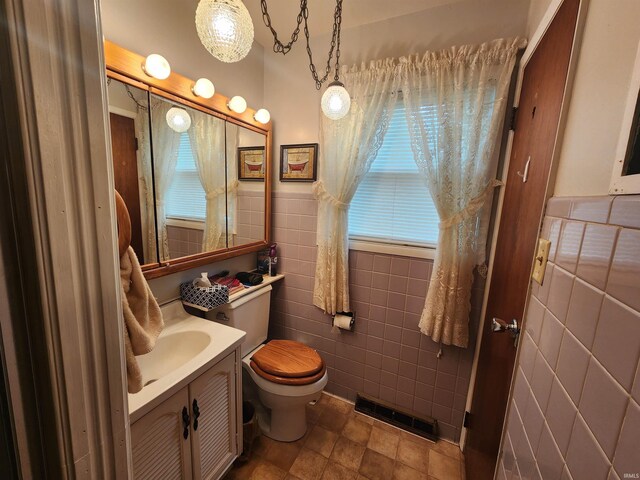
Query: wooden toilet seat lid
[[287, 359], [288, 380]]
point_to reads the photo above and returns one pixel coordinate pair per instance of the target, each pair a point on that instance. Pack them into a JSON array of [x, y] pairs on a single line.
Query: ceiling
[[354, 13]]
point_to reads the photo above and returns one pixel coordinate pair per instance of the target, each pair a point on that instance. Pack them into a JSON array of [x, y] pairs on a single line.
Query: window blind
[[392, 203], [185, 196]]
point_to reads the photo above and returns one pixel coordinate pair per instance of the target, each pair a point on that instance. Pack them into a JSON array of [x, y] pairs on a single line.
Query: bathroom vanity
[[185, 421], [195, 175]]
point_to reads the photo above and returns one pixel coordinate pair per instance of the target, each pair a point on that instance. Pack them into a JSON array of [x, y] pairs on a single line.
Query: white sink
[[187, 347], [172, 350]]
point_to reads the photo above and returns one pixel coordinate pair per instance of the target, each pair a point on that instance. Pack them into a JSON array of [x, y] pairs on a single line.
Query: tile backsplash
[[386, 356], [574, 411]]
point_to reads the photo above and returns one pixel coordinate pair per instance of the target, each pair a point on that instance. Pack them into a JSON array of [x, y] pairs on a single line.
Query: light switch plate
[[540, 262]]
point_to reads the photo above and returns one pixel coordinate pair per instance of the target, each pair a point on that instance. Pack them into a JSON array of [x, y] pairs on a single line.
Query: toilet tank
[[249, 313]]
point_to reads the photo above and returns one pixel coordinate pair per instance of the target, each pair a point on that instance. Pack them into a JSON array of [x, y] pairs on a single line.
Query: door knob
[[499, 325]]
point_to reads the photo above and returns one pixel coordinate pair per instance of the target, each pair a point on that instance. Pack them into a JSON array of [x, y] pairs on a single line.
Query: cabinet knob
[[185, 422], [196, 414]]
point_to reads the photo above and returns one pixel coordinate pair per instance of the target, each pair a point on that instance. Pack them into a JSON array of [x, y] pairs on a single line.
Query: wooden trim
[[268, 185], [57, 59], [127, 63], [181, 101], [185, 263]]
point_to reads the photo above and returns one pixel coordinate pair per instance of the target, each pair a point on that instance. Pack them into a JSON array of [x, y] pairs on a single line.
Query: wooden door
[[125, 169], [214, 408], [536, 128], [159, 447]]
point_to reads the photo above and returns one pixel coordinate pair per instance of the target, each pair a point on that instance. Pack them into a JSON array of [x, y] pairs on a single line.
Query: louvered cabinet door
[[213, 445], [159, 448]]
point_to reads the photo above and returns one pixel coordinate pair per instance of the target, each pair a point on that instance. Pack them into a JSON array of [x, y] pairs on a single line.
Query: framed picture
[[251, 163], [298, 163]]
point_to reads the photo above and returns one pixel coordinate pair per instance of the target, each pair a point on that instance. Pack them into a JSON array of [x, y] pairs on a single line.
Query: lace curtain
[[347, 149], [457, 155], [233, 132], [165, 155], [145, 186], [207, 138]]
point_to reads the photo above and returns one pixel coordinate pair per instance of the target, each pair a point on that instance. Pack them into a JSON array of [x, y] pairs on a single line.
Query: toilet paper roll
[[345, 322]]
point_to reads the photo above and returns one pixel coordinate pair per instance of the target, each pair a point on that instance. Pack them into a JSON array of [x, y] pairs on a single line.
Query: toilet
[[282, 376]]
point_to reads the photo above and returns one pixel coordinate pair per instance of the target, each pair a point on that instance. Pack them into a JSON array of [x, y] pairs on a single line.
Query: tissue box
[[204, 299]]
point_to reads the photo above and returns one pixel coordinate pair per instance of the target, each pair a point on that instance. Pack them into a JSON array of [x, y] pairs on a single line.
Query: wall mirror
[[190, 161], [246, 172], [196, 176], [132, 164]]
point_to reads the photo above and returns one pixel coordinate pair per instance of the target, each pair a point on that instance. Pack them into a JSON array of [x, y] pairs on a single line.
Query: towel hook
[[525, 175]]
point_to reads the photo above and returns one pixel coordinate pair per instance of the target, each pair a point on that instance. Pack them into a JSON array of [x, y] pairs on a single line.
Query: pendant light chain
[[303, 16]]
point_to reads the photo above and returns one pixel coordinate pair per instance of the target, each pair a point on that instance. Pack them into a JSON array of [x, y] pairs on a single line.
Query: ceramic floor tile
[[314, 412], [413, 455], [357, 431], [384, 442], [376, 466], [350, 446], [347, 453], [335, 471], [333, 420], [404, 472], [262, 445], [283, 454], [242, 470], [443, 467], [267, 471], [309, 465], [362, 418], [321, 440], [340, 405]]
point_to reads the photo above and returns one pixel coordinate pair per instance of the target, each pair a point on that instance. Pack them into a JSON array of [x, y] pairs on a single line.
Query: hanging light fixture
[[335, 100], [225, 29], [178, 119]]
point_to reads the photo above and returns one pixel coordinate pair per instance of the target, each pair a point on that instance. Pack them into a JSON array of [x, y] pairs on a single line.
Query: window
[[185, 197], [392, 203]]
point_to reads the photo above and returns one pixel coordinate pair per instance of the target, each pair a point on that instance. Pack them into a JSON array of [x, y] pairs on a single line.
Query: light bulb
[[335, 101], [263, 116], [156, 66], [203, 88], [225, 29], [178, 119], [237, 104]]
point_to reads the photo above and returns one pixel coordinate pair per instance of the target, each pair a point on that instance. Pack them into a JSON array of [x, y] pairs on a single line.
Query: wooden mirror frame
[[126, 66]]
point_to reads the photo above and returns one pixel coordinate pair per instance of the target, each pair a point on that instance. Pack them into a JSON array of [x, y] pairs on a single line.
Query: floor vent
[[424, 427]]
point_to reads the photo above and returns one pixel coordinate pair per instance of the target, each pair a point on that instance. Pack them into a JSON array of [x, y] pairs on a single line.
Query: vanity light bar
[[157, 66]]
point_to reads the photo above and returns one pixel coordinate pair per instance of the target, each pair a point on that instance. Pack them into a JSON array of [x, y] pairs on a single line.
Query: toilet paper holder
[[344, 320]]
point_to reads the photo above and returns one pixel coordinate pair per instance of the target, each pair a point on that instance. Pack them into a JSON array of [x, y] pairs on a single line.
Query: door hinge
[[137, 144], [466, 419], [512, 120]]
